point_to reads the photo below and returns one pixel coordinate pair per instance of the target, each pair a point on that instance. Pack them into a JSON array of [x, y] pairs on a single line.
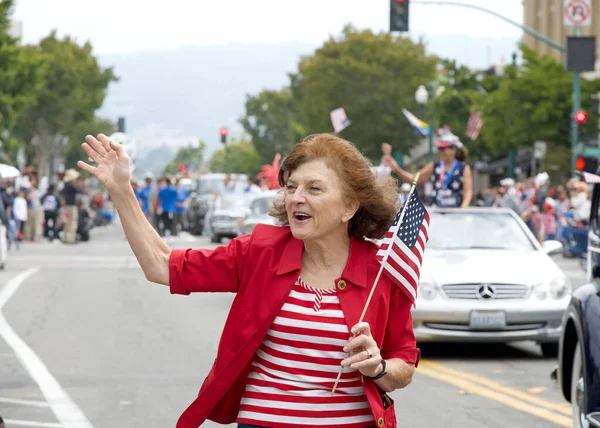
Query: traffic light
[[580, 117], [121, 124], [223, 132], [181, 167], [399, 15], [587, 164]]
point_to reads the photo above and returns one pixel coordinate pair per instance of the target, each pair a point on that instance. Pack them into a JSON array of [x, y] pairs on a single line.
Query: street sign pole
[[576, 107], [576, 13]]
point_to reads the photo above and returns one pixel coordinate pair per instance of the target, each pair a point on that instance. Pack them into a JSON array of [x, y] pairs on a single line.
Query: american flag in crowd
[[401, 251], [590, 178], [474, 125]]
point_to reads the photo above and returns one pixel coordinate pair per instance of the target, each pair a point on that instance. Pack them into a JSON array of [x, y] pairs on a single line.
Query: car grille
[[495, 291], [223, 218]]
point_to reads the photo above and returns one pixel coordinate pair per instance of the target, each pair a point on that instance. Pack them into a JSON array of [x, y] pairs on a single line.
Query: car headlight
[[559, 288], [427, 290], [555, 289]]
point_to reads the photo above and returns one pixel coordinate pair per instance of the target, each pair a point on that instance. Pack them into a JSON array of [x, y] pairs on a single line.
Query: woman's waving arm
[[112, 170]]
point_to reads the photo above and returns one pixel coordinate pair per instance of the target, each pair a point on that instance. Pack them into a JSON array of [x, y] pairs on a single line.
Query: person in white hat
[[509, 195]]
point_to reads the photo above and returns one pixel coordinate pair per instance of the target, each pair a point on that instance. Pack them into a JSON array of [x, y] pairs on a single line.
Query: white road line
[[17, 422], [66, 411], [33, 403]]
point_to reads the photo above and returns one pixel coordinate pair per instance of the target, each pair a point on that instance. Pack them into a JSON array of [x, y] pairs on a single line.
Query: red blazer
[[262, 269]]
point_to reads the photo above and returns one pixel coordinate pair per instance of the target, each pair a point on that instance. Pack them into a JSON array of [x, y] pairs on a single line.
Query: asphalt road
[[86, 341]]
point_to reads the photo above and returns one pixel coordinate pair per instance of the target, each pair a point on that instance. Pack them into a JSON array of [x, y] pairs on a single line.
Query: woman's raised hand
[[389, 161], [112, 163]]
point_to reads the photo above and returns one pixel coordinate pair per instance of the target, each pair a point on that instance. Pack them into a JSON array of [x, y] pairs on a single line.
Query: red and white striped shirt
[[296, 366]]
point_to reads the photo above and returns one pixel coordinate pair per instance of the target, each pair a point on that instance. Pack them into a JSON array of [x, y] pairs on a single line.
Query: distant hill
[[152, 160], [170, 95]]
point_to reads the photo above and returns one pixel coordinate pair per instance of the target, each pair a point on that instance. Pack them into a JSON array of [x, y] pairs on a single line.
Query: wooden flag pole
[[364, 312]]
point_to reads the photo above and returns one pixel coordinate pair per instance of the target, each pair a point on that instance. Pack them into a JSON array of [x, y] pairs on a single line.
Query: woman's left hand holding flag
[[365, 355]]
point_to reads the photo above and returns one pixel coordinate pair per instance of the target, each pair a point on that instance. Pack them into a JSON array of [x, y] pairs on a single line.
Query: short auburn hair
[[377, 196]]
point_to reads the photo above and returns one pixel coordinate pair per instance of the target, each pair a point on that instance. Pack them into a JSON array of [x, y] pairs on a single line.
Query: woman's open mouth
[[301, 217]]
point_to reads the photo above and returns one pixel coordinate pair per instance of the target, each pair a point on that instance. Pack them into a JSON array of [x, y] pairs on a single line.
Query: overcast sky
[[132, 25]]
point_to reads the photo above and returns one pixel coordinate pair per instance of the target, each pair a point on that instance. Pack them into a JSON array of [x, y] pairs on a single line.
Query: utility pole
[[512, 156]]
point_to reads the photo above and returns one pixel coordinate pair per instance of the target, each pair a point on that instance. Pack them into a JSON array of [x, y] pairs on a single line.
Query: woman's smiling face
[[315, 202]]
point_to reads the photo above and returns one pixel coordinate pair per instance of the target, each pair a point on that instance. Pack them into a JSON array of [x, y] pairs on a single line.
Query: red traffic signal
[[223, 131], [580, 164], [181, 167], [580, 116]]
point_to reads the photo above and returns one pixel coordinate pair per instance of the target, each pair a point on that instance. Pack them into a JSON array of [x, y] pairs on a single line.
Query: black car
[[200, 205], [578, 372]]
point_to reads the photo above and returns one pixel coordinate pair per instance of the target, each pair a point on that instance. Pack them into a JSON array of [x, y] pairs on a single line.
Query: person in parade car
[[452, 176]]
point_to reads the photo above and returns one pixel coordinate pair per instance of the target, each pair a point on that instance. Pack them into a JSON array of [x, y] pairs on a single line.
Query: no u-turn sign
[[577, 13]]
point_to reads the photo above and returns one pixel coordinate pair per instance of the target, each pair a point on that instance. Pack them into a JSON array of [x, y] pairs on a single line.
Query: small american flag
[[474, 125], [401, 251], [590, 178]]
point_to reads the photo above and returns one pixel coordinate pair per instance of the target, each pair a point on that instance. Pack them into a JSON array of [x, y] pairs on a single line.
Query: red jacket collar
[[355, 271]]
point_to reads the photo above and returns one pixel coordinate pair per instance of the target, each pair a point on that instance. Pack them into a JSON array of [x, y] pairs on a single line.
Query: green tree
[[372, 76], [94, 125], [271, 120], [74, 88], [187, 155], [237, 157], [21, 73], [534, 104], [464, 92]]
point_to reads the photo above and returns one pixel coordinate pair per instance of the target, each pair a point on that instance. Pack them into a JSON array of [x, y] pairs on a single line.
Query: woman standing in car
[[452, 177]]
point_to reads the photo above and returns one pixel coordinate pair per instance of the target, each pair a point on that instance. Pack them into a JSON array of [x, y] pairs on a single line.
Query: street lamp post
[[421, 97]]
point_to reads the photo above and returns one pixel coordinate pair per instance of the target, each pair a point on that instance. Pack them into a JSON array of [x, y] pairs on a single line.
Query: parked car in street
[[259, 211], [485, 278], [578, 372], [228, 214], [203, 198]]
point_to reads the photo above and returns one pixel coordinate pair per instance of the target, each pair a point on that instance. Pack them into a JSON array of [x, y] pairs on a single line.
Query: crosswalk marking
[[17, 422], [34, 403]]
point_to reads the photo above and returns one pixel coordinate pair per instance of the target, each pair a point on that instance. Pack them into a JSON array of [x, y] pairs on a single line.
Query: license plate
[[488, 320], [223, 225]]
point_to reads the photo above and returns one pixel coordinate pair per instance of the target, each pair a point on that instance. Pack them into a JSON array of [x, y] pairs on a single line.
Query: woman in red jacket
[[300, 289]]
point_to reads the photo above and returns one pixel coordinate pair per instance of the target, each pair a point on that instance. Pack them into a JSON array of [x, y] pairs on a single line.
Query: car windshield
[[483, 230], [235, 200], [187, 184], [207, 186], [261, 206], [217, 184]]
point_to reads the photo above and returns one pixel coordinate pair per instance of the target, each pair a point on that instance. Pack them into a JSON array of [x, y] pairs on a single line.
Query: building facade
[[546, 17]]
